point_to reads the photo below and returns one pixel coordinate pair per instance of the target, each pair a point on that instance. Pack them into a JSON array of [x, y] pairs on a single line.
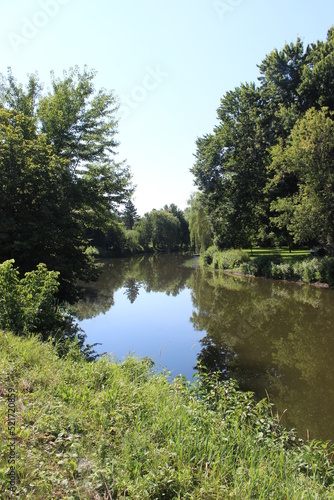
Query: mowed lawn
[[284, 252]]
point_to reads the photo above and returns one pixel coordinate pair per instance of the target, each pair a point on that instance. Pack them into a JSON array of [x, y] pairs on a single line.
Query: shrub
[[248, 268], [230, 259], [263, 265], [308, 271], [327, 270], [282, 271], [10, 317], [207, 257], [29, 306]]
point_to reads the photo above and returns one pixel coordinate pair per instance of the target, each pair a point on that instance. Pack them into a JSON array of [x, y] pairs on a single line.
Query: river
[[274, 338]]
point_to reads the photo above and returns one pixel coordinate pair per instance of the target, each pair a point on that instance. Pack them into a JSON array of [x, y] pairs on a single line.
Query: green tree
[[230, 169], [199, 226], [165, 229], [144, 230], [242, 186], [130, 215], [183, 237], [79, 122], [58, 176], [161, 229], [281, 73], [309, 213], [317, 85]]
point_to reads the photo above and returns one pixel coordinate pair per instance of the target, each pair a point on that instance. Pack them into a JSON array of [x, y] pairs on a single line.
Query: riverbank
[[296, 266], [108, 430]]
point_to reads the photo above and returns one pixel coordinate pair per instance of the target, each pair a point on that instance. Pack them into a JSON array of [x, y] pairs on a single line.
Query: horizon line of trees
[[164, 229]]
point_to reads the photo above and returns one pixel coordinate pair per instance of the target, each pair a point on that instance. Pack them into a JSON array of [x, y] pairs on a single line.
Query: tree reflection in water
[[268, 335], [271, 336], [155, 273], [132, 288]]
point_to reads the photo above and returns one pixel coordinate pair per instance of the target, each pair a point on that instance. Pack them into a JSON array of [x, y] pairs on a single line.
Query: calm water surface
[[270, 336]]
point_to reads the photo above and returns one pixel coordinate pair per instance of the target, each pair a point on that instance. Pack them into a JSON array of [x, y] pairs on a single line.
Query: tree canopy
[[58, 173], [265, 172], [164, 229]]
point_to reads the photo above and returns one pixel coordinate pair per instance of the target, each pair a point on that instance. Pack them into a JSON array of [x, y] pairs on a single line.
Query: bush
[[282, 271], [308, 271], [29, 306], [327, 270], [248, 268], [207, 257], [230, 259], [263, 265]]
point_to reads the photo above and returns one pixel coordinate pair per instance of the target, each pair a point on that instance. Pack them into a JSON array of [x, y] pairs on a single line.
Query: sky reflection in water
[[154, 325], [268, 335]]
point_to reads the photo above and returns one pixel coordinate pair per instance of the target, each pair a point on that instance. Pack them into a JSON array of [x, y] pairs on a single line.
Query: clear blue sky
[[169, 61]]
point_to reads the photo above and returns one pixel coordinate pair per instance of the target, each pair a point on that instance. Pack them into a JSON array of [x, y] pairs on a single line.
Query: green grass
[[108, 430], [297, 265], [283, 252]]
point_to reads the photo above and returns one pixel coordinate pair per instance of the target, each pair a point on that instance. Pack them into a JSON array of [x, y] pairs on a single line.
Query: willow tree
[[199, 226]]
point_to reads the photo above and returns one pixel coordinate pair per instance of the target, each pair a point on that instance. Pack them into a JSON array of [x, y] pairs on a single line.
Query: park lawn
[[284, 252]]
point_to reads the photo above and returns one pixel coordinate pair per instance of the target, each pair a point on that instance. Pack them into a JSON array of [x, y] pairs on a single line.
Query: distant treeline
[[166, 229]]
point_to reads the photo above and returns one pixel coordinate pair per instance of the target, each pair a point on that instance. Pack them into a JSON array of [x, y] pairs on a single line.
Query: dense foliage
[[273, 265], [28, 306], [165, 229], [265, 174], [199, 226], [58, 174]]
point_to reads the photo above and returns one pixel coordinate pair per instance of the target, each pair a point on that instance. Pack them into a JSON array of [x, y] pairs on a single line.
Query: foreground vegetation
[[76, 429], [108, 430], [273, 264]]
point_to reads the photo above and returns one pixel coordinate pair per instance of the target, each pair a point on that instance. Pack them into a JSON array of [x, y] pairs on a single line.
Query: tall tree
[[183, 237], [58, 173], [79, 122], [234, 170], [230, 168], [281, 72], [309, 213], [199, 226], [165, 229], [317, 85], [130, 215]]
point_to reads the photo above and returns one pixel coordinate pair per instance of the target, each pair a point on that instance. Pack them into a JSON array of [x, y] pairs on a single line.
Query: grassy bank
[[113, 430], [296, 265]]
